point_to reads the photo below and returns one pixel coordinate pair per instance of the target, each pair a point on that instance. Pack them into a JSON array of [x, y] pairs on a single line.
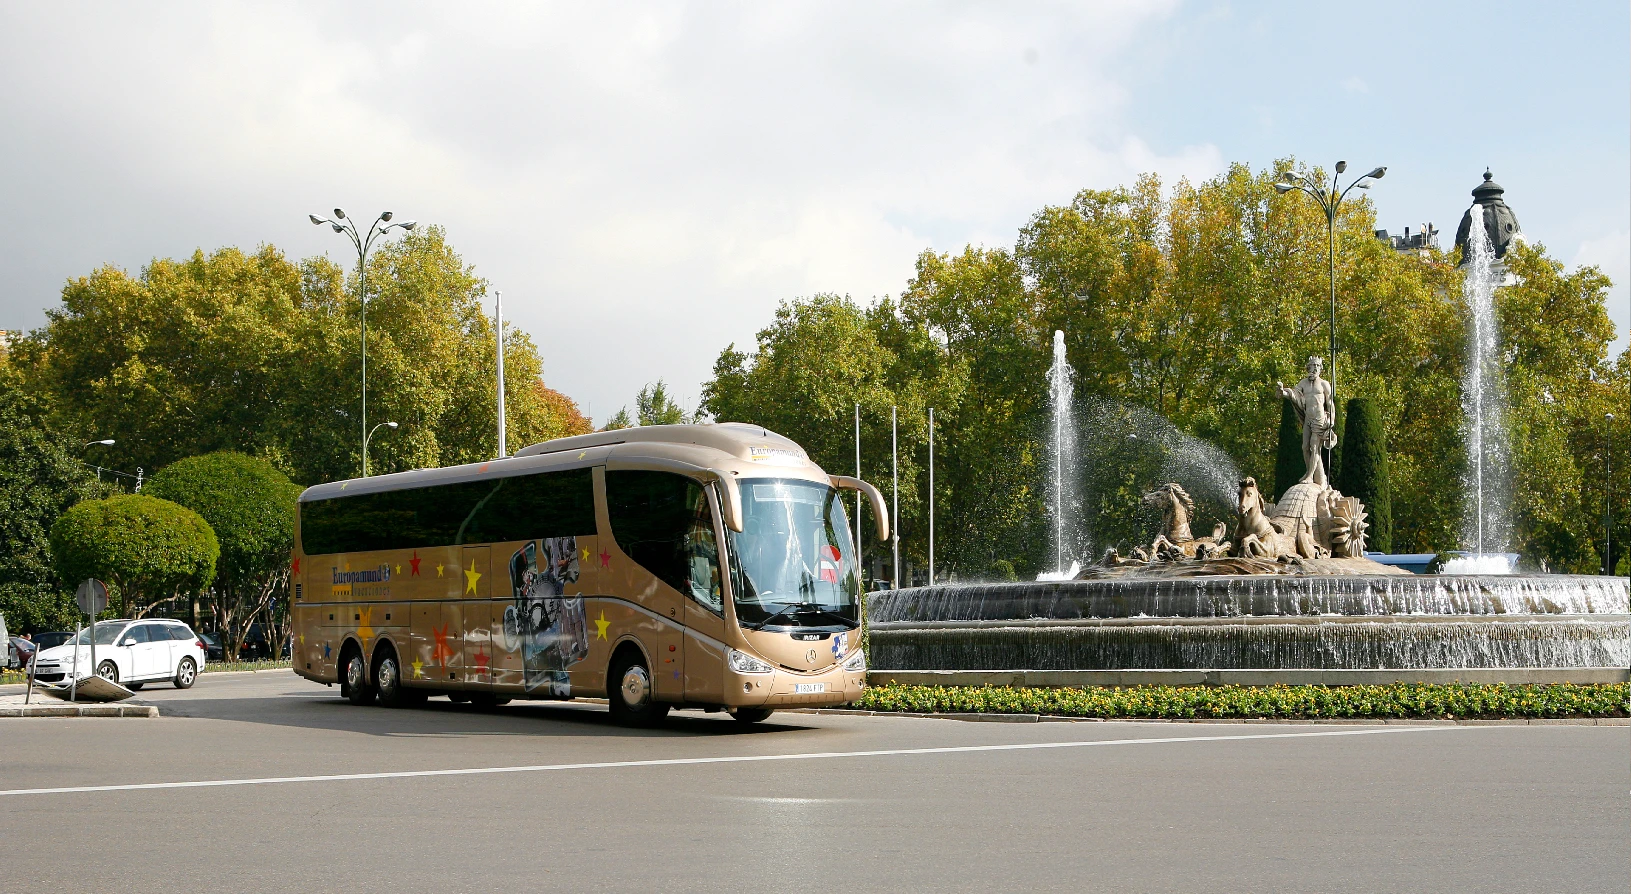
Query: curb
[[1337, 721], [79, 711]]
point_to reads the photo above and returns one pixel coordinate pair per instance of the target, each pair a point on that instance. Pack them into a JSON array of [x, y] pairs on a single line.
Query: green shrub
[[1364, 473], [1400, 700], [1288, 459], [145, 549]]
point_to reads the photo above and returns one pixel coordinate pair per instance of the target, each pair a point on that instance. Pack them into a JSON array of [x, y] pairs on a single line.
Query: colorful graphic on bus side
[[549, 626]]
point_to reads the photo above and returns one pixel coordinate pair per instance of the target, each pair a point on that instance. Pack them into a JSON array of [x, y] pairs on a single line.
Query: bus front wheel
[[752, 715], [630, 696]]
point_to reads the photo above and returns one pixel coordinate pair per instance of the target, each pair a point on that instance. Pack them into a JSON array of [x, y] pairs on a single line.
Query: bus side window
[[663, 522]]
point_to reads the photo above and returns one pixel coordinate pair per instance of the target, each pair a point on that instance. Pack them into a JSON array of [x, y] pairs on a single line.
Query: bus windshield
[[793, 565]]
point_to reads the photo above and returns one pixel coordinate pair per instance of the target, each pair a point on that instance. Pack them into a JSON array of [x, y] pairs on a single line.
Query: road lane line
[[733, 759]]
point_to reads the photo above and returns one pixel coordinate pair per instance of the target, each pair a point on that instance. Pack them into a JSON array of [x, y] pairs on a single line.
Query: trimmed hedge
[[1400, 700]]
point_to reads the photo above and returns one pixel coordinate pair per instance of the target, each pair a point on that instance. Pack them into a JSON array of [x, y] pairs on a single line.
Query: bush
[[1400, 700], [1288, 460], [1363, 472], [145, 549]]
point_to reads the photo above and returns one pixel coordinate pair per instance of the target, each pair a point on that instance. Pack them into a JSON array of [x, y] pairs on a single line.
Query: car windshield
[[793, 564], [105, 635]]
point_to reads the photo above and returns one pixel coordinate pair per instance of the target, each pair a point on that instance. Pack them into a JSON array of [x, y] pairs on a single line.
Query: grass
[[1402, 700]]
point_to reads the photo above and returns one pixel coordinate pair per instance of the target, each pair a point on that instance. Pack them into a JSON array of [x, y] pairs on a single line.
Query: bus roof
[[732, 447]]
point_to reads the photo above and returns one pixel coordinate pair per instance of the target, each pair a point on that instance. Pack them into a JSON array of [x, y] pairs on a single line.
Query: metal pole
[[1331, 266], [73, 684], [894, 521], [498, 313], [931, 496], [1608, 513], [858, 566], [93, 641], [362, 299]]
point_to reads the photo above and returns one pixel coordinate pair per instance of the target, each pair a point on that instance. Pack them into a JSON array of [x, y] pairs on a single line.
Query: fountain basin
[[1517, 628]]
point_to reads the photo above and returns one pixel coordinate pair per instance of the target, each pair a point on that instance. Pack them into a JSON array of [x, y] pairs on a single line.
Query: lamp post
[[363, 243], [105, 442], [369, 437], [1329, 200]]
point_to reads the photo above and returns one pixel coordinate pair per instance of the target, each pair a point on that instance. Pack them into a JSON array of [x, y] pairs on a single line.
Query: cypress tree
[[1288, 462], [1364, 470]]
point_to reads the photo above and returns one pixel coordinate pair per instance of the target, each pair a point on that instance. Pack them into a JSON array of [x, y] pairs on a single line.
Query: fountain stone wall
[[1256, 628]]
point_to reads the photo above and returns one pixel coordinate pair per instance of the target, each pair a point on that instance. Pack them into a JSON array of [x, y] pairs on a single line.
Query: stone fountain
[[1284, 596]]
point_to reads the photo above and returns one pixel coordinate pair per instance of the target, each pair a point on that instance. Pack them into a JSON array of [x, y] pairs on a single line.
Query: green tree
[[1363, 472], [250, 506], [40, 477], [146, 550], [1288, 457]]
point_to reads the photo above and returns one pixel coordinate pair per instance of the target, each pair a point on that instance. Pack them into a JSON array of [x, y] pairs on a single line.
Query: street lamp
[[368, 437], [1329, 200], [105, 442], [363, 244]]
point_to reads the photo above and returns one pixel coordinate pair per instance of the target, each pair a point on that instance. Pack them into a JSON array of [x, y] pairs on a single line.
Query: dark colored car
[[52, 639], [214, 646], [22, 650]]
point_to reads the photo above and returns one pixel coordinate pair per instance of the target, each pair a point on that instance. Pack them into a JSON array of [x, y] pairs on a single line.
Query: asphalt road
[[805, 803]]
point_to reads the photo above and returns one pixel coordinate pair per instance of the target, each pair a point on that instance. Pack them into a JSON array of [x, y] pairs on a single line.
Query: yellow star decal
[[601, 624], [439, 570], [583, 454], [365, 627], [418, 668], [586, 554], [471, 575], [399, 569], [302, 639]]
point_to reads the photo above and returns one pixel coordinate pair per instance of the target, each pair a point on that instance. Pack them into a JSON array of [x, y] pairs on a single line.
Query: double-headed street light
[[1330, 200], [363, 244]]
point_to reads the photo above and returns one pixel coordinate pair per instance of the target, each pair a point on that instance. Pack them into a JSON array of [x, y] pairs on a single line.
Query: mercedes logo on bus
[[812, 656]]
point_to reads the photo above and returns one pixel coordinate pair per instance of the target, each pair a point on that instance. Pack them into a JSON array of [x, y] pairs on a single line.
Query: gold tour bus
[[698, 566]]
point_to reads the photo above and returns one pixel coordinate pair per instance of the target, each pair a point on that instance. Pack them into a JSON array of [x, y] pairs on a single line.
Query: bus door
[[473, 616], [705, 609]]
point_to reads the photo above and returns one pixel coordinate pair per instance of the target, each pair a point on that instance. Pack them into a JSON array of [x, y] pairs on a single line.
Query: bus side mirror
[[730, 500], [880, 514]]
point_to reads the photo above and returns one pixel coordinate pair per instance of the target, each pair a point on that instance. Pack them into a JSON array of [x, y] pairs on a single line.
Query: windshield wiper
[[789, 610]]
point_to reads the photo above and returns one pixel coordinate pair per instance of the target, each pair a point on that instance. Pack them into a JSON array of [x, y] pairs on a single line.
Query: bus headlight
[[856, 662], [743, 663]]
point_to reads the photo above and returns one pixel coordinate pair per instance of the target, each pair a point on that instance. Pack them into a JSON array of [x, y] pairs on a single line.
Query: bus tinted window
[[653, 515], [524, 507]]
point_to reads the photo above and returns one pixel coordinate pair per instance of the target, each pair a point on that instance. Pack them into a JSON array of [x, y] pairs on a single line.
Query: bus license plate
[[808, 688]]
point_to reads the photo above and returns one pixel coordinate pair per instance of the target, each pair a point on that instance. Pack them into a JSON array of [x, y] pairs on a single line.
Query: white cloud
[[643, 182]]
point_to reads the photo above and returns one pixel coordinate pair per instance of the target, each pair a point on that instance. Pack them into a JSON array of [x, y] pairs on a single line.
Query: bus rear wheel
[[388, 679], [629, 693], [357, 687], [752, 715]]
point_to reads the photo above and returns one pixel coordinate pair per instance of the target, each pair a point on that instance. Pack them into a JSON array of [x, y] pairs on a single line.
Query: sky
[[646, 182]]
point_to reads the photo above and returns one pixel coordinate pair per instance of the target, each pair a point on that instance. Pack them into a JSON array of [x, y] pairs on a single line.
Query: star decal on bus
[[418, 668], [441, 652], [365, 628], [482, 659], [605, 559], [296, 566], [325, 650], [413, 564], [601, 624], [471, 575], [439, 570]]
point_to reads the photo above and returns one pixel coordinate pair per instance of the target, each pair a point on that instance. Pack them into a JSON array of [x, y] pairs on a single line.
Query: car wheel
[[752, 715], [109, 671], [133, 687], [357, 687], [186, 674], [630, 695], [388, 678]]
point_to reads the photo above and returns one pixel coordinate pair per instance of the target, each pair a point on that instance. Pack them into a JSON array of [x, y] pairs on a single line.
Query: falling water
[[1487, 525], [1062, 459]]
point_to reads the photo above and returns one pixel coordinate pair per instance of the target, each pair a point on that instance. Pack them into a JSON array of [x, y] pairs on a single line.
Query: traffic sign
[[92, 597]]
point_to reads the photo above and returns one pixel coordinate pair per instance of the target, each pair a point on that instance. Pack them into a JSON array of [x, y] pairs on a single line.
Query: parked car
[[131, 653], [215, 648], [21, 650], [52, 638]]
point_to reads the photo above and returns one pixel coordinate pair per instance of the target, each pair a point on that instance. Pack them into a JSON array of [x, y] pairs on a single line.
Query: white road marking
[[735, 759]]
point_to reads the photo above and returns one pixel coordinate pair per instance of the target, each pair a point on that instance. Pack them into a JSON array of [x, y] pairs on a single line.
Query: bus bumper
[[784, 689]]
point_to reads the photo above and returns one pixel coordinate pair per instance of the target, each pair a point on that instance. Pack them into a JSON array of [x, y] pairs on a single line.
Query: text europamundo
[[379, 575]]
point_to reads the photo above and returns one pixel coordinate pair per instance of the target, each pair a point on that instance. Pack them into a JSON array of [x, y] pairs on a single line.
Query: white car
[[129, 653]]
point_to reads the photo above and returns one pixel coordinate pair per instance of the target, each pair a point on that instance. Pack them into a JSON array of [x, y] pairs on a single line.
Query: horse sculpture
[[1175, 540], [1258, 536]]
